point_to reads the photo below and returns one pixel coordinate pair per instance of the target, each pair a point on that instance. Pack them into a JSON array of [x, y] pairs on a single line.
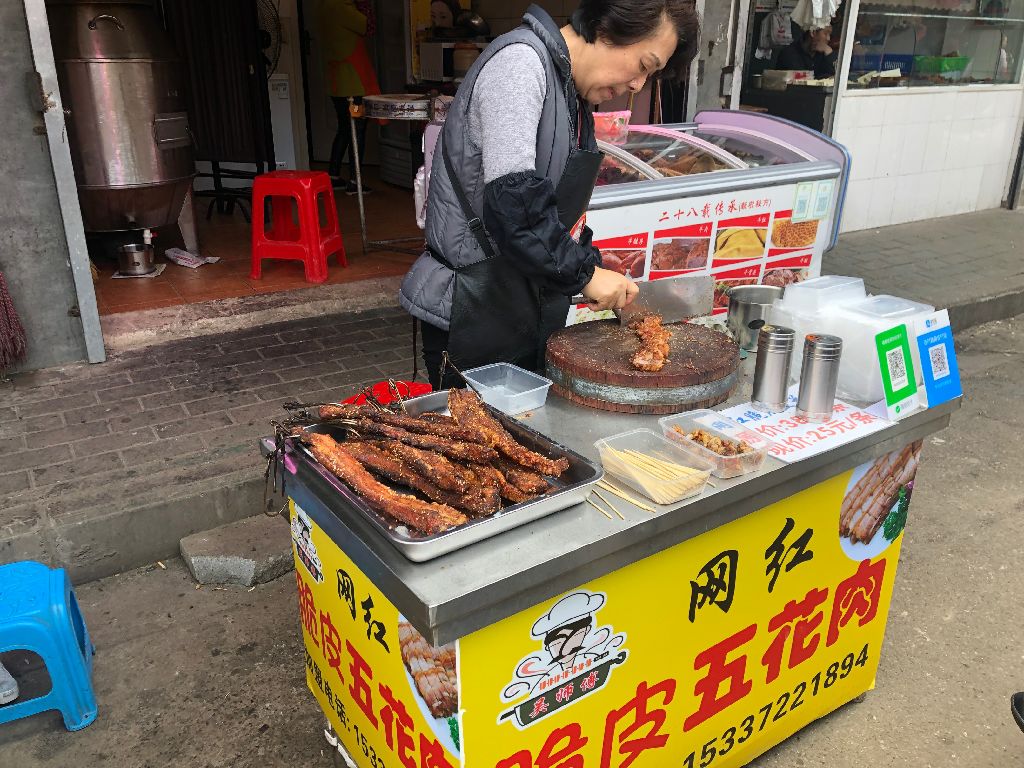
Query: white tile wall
[[920, 154]]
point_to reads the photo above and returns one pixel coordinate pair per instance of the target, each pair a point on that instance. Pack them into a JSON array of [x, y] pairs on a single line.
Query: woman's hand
[[609, 290]]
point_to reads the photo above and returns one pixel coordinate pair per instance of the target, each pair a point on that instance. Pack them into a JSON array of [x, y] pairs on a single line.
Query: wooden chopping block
[[589, 364]]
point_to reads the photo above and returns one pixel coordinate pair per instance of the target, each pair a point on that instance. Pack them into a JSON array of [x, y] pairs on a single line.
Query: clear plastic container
[[508, 387], [674, 474], [810, 307], [818, 293], [858, 324], [677, 428]]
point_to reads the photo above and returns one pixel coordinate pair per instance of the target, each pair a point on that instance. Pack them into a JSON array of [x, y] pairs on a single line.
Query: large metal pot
[[122, 86]]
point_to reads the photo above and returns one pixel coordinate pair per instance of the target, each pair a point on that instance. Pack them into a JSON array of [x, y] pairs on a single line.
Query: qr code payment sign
[[939, 361], [897, 364]]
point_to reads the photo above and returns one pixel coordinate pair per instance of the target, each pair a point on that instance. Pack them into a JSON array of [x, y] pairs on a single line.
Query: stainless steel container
[[819, 375], [123, 89], [748, 308], [135, 259], [771, 368]]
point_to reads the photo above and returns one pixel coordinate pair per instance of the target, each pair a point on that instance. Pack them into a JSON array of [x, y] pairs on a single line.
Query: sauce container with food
[[722, 433], [649, 464]]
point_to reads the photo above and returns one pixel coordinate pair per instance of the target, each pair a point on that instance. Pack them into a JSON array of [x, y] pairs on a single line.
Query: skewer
[[591, 503], [625, 496], [611, 506]]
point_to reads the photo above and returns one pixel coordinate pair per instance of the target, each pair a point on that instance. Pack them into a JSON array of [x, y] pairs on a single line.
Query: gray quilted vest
[[426, 291]]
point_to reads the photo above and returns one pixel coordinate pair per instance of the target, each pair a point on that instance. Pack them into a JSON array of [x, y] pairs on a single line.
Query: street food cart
[[745, 197], [699, 633]]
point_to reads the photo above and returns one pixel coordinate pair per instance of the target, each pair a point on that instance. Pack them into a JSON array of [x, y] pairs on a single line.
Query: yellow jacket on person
[[341, 29]]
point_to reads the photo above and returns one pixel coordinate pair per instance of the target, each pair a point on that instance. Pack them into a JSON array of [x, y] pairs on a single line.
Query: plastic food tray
[[508, 387], [677, 428], [650, 443]]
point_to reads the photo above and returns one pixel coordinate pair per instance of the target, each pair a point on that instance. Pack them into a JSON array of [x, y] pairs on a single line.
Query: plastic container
[[810, 307], [654, 485], [508, 387], [859, 377], [612, 127], [875, 62], [818, 293], [934, 65], [677, 428]]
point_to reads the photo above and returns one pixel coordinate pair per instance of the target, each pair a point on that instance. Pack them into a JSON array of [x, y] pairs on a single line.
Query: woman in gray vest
[[514, 170]]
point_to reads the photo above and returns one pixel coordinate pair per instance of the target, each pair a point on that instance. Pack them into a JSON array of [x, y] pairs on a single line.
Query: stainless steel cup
[[748, 308], [819, 375], [771, 367], [135, 259]]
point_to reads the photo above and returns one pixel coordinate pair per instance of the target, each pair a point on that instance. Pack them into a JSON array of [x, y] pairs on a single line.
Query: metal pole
[[359, 172], [64, 175]]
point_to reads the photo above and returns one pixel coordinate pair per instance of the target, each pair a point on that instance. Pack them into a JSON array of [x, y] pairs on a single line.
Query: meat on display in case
[[745, 197]]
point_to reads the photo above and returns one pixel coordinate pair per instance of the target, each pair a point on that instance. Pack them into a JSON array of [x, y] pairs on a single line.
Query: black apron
[[498, 314]]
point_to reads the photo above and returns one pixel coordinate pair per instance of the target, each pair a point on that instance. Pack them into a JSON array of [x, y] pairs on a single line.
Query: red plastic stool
[[304, 241]]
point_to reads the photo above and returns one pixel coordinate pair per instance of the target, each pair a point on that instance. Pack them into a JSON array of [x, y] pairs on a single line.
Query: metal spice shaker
[[819, 376], [771, 367]]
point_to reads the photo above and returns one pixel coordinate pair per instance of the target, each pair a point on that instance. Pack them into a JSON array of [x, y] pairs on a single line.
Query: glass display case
[[937, 42]]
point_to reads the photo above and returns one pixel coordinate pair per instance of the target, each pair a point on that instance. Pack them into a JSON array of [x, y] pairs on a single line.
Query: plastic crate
[[876, 62], [934, 65]]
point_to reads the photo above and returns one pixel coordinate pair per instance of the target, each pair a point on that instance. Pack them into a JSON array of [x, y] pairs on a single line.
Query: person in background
[[512, 175], [810, 50], [443, 13], [345, 25]]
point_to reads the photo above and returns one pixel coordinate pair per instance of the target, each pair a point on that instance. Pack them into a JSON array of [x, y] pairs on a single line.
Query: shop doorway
[[249, 71]]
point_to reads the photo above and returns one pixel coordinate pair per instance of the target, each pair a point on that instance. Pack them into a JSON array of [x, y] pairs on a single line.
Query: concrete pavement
[[214, 677]]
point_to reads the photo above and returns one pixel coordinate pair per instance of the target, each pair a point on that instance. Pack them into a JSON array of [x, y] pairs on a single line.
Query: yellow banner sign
[[703, 655]]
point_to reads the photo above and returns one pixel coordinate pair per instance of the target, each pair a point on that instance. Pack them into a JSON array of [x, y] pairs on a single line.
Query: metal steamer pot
[[123, 91], [748, 310]]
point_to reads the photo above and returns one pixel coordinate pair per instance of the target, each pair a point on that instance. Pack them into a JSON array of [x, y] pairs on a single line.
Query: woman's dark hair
[[624, 22]]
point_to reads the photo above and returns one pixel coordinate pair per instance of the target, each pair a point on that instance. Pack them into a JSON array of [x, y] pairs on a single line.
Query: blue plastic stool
[[39, 613]]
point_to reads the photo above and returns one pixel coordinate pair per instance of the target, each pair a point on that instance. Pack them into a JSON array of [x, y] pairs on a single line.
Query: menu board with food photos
[[739, 238]]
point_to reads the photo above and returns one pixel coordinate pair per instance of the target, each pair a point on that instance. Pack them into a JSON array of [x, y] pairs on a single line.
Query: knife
[[674, 298]]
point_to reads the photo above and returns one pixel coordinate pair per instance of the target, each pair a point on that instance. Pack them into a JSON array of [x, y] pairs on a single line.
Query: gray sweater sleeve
[[505, 110]]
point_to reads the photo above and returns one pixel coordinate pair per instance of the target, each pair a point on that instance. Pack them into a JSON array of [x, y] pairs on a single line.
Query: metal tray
[[575, 481]]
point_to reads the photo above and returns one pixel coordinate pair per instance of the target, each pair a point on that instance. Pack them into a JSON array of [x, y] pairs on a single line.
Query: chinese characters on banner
[[705, 654], [732, 642], [794, 438], [355, 668], [741, 238]]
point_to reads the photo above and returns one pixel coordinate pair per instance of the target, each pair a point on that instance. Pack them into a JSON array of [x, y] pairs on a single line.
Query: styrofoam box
[[508, 387]]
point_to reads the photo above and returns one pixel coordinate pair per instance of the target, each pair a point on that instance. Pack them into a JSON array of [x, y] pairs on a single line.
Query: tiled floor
[[389, 215]]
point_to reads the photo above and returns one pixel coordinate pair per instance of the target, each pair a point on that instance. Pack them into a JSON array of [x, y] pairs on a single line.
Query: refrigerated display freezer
[[745, 197]]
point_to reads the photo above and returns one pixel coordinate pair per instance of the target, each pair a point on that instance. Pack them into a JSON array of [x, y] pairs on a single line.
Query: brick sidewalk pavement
[[169, 423], [105, 467]]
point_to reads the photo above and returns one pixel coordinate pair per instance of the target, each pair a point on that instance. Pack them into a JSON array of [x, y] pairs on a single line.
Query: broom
[[13, 341]]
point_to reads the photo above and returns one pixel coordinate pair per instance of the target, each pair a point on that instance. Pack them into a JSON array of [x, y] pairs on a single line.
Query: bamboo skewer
[[660, 480], [625, 496], [590, 501], [611, 506]]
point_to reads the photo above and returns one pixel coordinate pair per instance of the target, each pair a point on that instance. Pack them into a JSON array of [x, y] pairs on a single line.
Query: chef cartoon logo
[[576, 658], [302, 529]]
